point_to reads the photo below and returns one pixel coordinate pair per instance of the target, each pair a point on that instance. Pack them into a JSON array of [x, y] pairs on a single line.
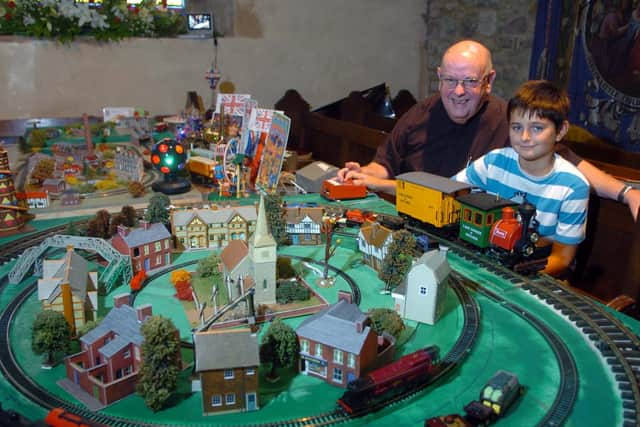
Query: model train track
[[619, 346], [568, 388], [12, 371]]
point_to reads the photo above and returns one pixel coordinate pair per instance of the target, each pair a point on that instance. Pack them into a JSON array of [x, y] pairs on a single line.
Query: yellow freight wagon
[[429, 198], [202, 166]]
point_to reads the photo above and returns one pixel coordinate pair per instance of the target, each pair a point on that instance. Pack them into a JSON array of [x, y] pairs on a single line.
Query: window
[[423, 290], [251, 371], [166, 243], [230, 398], [337, 375], [318, 350], [136, 252], [127, 370], [466, 214], [127, 354], [119, 373], [264, 284], [228, 374], [489, 219], [351, 360], [146, 249], [477, 219], [159, 260], [216, 400], [158, 246], [304, 346], [338, 356]]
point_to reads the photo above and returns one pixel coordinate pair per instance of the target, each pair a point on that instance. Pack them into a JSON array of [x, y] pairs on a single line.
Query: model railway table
[[536, 329]]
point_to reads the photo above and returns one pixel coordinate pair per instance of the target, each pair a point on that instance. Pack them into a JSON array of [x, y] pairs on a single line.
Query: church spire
[[262, 236]]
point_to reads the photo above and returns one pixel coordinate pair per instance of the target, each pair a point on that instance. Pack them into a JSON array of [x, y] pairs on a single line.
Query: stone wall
[[505, 27]]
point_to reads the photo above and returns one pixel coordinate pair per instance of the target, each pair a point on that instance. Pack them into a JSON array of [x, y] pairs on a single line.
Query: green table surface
[[506, 341]]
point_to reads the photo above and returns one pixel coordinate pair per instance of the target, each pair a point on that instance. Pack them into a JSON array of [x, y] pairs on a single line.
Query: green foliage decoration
[[64, 20]]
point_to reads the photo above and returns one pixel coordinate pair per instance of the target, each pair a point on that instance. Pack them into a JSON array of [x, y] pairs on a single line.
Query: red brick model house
[[227, 366], [338, 345], [110, 357], [373, 241], [303, 225], [149, 245]]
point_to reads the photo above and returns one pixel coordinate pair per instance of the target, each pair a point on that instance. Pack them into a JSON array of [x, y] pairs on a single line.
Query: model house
[[128, 164], [337, 344], [54, 186], [304, 225], [373, 241], [34, 199], [69, 287], [148, 245], [227, 368], [421, 296], [212, 228], [110, 355]]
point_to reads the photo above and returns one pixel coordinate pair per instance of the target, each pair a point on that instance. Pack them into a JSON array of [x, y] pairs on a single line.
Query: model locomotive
[[408, 373], [488, 222], [498, 394]]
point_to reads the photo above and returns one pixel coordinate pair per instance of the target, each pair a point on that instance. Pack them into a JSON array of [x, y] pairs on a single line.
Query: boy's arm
[[561, 257]]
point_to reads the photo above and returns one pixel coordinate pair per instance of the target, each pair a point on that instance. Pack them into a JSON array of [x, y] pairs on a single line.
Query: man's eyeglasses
[[450, 83]]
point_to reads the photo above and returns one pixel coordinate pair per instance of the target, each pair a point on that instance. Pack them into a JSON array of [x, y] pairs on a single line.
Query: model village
[[182, 272]]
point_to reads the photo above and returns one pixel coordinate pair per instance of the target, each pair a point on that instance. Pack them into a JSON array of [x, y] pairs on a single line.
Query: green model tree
[[160, 361], [398, 259], [157, 209], [275, 218], [50, 333], [279, 347], [210, 267], [385, 319]]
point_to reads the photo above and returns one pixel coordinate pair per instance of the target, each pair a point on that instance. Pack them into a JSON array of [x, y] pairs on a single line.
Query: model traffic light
[[169, 157]]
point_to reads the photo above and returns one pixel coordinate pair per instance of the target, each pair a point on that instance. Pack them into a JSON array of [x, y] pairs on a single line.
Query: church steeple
[[262, 235]]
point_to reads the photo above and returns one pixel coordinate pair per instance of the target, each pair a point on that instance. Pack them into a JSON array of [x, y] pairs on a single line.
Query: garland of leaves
[[64, 20]]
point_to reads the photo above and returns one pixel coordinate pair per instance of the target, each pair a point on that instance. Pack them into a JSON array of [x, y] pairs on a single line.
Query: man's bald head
[[471, 51]]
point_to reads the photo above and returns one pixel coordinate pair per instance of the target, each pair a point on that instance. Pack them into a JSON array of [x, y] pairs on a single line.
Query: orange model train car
[[334, 190]]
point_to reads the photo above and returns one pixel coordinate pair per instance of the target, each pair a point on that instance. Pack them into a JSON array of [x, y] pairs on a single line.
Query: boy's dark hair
[[543, 99]]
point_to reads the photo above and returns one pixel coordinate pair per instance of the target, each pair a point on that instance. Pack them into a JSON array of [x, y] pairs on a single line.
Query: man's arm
[[607, 186], [374, 176]]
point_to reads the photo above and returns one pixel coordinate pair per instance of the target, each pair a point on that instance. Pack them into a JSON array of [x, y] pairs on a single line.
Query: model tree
[[210, 267], [157, 209], [398, 259], [50, 333], [327, 228], [160, 361], [136, 189], [43, 170], [386, 320], [126, 217], [275, 218], [181, 280], [279, 347], [99, 226]]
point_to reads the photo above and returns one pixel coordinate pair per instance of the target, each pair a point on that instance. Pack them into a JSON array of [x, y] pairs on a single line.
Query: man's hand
[[347, 170]]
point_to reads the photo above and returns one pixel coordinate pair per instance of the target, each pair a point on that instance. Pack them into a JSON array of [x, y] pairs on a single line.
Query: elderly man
[[444, 132]]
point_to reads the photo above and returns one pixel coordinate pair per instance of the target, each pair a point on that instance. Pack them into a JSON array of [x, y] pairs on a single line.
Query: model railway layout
[[618, 345]]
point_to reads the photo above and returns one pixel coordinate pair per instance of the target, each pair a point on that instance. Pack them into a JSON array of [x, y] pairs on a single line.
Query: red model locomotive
[[407, 373]]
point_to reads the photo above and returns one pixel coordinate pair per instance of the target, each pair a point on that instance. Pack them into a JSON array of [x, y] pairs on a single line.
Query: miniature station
[[272, 293]]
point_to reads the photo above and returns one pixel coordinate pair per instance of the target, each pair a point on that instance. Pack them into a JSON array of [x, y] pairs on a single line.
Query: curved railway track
[[12, 371], [619, 346]]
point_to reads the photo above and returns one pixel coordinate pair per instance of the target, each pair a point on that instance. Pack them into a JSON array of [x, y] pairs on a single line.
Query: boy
[[537, 116]]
